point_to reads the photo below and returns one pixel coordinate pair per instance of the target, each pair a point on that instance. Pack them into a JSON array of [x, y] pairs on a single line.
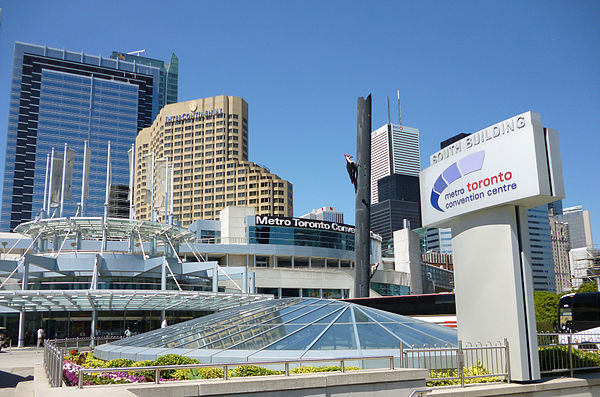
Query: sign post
[[481, 187]]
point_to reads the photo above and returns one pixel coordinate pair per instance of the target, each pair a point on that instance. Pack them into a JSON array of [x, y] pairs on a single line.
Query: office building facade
[[580, 226], [560, 252], [206, 140], [398, 207], [395, 149], [59, 97], [168, 80], [540, 249], [330, 214]]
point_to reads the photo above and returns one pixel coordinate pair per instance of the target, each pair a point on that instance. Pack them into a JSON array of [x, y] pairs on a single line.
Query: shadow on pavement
[[8, 379]]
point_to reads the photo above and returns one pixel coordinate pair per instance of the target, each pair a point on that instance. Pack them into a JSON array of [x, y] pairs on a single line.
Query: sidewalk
[[17, 369]]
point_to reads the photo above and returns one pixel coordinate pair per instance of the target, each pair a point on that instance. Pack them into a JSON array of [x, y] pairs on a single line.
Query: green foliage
[[93, 362], [119, 363], [149, 375], [476, 370], [546, 310], [557, 357], [253, 370], [588, 287], [198, 373], [173, 359], [310, 369]]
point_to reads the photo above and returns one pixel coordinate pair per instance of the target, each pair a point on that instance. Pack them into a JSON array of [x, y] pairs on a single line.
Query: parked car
[[4, 338]]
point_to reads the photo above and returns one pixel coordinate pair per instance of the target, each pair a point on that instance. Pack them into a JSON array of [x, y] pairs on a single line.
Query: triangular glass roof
[[291, 328]]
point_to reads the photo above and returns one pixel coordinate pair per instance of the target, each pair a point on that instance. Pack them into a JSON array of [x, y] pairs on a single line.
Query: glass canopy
[[283, 329]]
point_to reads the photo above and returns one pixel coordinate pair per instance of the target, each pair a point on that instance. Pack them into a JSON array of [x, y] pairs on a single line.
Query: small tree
[[588, 287], [546, 310]]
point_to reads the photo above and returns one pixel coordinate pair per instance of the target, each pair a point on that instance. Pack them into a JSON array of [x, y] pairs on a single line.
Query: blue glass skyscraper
[[59, 97], [168, 78], [540, 247]]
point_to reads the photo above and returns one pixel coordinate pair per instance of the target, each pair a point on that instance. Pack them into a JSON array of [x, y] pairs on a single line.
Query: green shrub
[[198, 373], [119, 363], [149, 375], [253, 370], [93, 362], [557, 357], [173, 359], [310, 369], [476, 370]]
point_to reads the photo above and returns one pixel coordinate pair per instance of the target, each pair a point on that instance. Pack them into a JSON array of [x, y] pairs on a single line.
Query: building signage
[[516, 161], [193, 115], [302, 223]]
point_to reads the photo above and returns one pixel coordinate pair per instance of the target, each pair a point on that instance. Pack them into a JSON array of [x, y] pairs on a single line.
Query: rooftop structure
[[168, 77], [330, 214]]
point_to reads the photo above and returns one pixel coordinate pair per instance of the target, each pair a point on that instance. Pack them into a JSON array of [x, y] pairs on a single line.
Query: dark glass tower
[[399, 199], [59, 97], [168, 78]]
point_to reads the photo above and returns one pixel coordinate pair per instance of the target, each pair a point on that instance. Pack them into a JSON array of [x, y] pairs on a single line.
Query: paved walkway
[[16, 371]]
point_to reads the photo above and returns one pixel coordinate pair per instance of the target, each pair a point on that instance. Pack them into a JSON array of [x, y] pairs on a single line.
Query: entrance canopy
[[101, 300]]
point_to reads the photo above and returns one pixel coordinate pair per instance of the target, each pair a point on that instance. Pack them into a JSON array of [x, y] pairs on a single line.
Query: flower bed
[[75, 361]]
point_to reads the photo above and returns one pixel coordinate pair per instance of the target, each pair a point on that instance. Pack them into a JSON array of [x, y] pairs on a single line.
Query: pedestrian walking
[[40, 337]]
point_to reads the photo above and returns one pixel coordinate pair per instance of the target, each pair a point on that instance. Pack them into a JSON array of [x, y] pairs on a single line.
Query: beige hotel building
[[206, 142]]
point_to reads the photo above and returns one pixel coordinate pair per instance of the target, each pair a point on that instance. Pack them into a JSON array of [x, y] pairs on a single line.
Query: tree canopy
[[588, 287], [546, 310]]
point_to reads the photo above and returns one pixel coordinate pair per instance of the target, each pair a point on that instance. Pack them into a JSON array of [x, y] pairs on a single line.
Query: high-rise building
[[330, 214], [206, 140], [395, 167], [57, 97], [399, 201], [540, 249], [580, 226], [168, 79], [394, 150], [560, 252]]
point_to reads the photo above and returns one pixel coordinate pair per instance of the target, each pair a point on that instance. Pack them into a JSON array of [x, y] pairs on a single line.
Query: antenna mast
[[399, 110], [388, 103]]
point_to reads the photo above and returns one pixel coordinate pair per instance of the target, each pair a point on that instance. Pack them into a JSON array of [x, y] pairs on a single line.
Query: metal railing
[[562, 353], [54, 354], [461, 363], [286, 364]]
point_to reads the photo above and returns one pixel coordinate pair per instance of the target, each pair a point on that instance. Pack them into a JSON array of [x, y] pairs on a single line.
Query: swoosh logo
[[464, 166]]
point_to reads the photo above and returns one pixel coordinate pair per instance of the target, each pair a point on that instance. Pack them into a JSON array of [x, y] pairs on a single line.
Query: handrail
[[158, 368]]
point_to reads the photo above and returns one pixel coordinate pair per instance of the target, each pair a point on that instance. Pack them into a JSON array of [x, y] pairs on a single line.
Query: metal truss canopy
[[130, 300], [93, 228]]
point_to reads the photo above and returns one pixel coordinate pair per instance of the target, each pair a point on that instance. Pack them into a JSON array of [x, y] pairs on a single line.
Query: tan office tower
[[206, 143]]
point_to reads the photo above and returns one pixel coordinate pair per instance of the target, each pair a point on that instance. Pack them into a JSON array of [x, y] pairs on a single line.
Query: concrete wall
[[380, 383]]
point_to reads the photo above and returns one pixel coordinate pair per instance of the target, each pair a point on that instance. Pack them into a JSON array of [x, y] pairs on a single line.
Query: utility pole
[[362, 236]]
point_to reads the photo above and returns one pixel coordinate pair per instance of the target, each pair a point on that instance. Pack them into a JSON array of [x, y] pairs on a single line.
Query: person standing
[[127, 333], [40, 337], [164, 323]]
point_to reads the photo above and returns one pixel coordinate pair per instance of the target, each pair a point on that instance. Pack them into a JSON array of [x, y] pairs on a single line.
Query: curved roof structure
[[284, 329], [111, 228]]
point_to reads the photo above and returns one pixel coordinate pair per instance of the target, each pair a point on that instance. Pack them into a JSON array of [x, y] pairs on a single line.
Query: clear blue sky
[[460, 66]]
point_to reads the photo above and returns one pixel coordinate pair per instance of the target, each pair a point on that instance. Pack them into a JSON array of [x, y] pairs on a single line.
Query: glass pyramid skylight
[[284, 329]]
